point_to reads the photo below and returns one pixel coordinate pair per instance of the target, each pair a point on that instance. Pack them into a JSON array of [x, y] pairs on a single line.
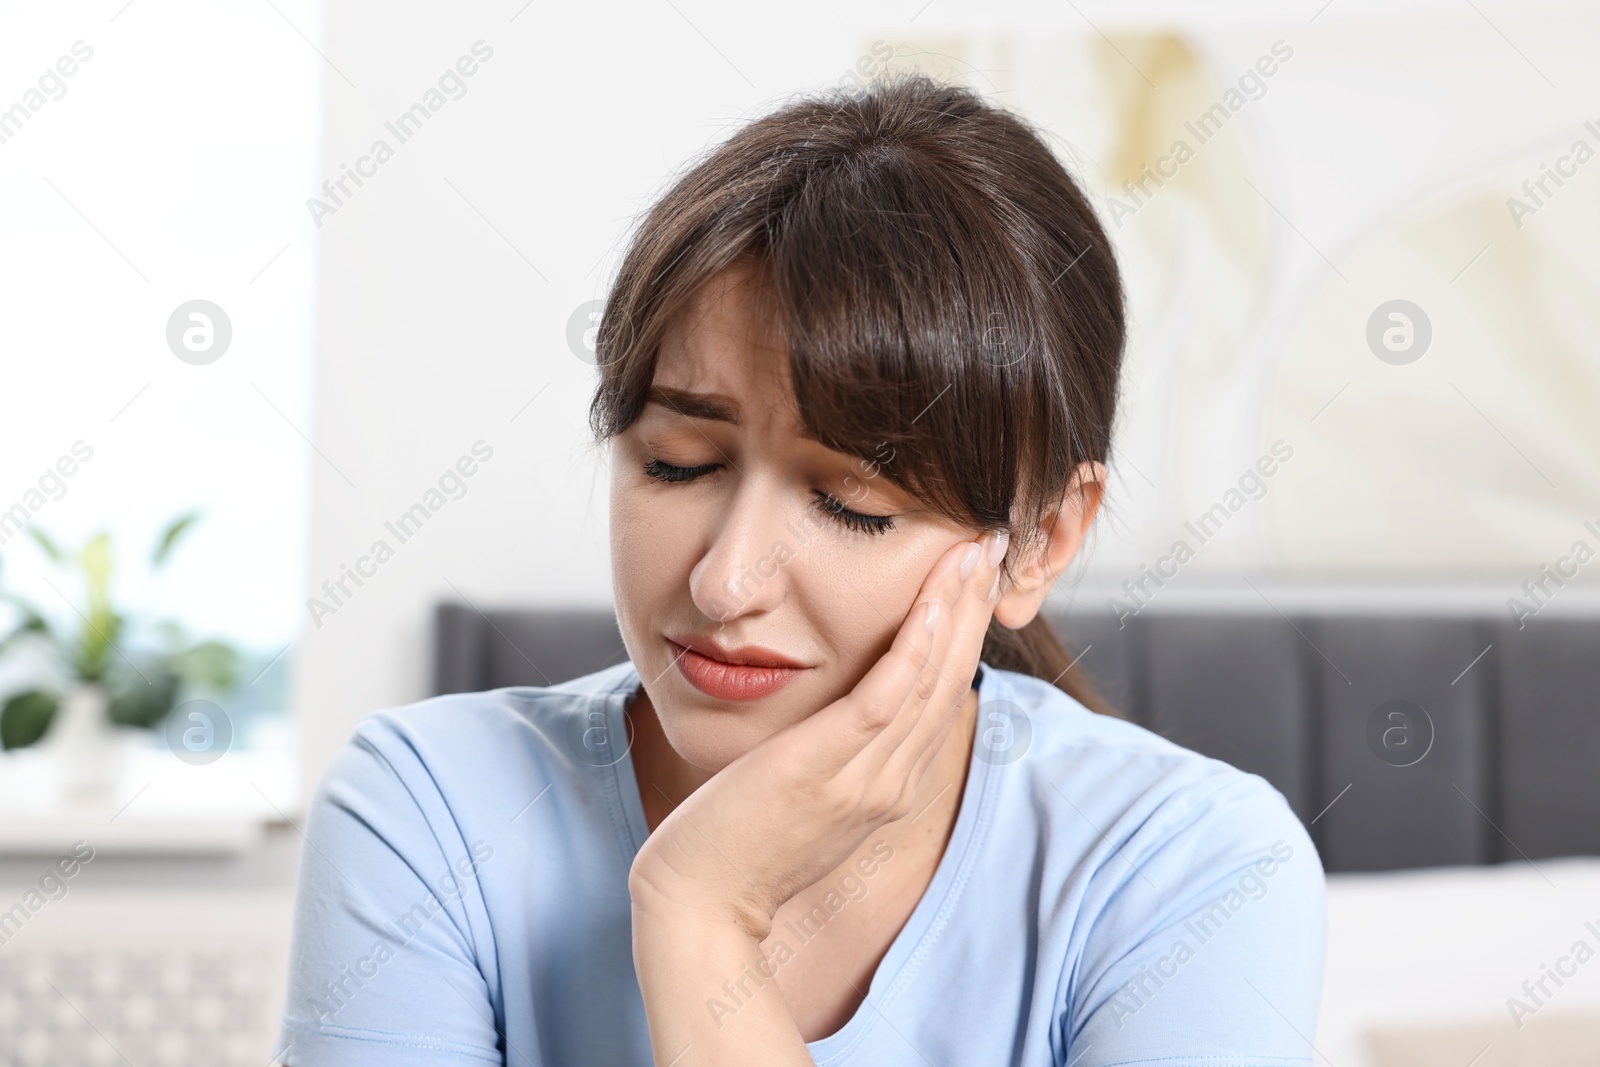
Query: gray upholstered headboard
[[1512, 771]]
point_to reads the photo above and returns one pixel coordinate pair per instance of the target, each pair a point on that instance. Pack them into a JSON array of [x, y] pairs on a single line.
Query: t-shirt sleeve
[[386, 962], [1209, 943]]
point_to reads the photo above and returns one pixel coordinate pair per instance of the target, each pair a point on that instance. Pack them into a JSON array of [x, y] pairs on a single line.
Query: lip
[[745, 673]]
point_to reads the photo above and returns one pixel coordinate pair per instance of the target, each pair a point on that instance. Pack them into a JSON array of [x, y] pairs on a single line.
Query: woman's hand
[[709, 880]]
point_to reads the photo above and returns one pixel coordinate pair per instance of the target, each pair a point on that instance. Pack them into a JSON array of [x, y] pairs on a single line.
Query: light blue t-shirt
[[1106, 897]]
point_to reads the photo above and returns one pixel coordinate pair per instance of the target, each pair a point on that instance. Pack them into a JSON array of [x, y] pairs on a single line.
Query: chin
[[708, 739], [711, 734]]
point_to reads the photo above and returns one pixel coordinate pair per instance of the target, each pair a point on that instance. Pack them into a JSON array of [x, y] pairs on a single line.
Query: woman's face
[[744, 548]]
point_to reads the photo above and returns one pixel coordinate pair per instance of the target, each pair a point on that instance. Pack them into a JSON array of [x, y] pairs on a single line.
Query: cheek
[[872, 590], [650, 558]]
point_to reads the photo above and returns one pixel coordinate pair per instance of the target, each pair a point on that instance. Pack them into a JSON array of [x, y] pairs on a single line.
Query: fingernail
[[969, 561], [997, 547], [931, 616]]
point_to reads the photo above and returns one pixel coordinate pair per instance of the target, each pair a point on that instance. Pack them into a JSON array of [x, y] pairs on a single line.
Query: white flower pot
[[89, 752]]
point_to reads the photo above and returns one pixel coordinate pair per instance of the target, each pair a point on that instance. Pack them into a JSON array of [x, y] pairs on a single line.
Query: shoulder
[[480, 723], [1138, 806], [1187, 880], [1115, 762], [444, 830], [461, 745]]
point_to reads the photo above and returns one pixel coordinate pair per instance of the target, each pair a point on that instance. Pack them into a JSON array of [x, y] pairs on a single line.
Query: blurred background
[[272, 269]]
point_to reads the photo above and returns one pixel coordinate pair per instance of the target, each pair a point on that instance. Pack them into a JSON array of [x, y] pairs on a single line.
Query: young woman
[[847, 802]]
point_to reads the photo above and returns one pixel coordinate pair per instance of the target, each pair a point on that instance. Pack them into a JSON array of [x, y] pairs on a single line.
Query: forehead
[[725, 359]]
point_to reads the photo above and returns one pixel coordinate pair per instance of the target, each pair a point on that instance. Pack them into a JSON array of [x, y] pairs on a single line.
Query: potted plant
[[106, 676]]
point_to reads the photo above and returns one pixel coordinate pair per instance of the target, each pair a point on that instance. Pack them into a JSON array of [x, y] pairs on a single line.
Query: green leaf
[[208, 665], [96, 561], [47, 545], [25, 718], [142, 703], [169, 539], [98, 645]]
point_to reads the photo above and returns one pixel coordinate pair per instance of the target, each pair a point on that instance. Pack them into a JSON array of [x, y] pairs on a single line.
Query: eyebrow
[[713, 406]]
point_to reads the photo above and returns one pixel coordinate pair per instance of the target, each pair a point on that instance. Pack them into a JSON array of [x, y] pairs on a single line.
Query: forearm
[[707, 996]]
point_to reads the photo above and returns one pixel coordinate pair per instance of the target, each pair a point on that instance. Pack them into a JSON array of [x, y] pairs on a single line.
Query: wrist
[[707, 983], [665, 904]]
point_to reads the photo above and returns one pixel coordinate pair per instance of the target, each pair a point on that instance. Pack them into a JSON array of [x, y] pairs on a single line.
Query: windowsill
[[151, 803]]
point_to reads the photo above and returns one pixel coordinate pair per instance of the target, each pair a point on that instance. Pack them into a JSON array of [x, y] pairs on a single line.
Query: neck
[[665, 778]]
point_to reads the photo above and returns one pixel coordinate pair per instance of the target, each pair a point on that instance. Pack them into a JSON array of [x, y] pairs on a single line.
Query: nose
[[744, 572]]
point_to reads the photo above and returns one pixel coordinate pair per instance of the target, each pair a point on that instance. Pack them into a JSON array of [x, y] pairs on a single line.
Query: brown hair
[[951, 304]]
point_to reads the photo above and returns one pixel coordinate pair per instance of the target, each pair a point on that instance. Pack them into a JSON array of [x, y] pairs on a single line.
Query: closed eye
[[667, 472], [855, 520], [825, 502]]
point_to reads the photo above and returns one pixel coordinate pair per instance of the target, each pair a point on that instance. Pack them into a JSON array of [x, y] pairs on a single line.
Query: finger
[[925, 719], [951, 588], [953, 669], [839, 732]]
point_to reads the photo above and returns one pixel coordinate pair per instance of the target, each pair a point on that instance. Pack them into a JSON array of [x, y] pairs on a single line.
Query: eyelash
[[870, 525]]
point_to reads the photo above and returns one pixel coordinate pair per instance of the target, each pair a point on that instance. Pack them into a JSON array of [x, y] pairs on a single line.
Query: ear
[[1024, 588]]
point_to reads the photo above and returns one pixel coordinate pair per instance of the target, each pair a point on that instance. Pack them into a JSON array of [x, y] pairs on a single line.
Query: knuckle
[[915, 657], [880, 807], [889, 802], [900, 807], [874, 715], [854, 795]]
